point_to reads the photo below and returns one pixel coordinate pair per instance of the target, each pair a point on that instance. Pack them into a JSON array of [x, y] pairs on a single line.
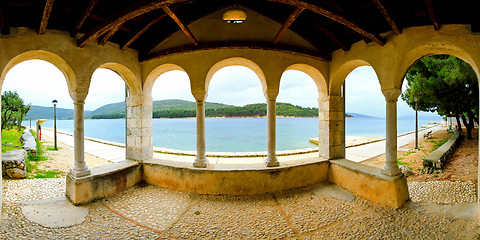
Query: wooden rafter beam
[[45, 17], [331, 36], [108, 36], [180, 24], [83, 18], [123, 16], [143, 30], [387, 16], [335, 17], [287, 24], [239, 45], [431, 13]]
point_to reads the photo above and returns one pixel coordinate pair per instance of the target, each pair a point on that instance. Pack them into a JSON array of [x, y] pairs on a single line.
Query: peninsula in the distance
[[175, 108]]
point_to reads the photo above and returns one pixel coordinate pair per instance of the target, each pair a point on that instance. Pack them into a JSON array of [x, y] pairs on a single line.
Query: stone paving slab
[[148, 212], [54, 212]]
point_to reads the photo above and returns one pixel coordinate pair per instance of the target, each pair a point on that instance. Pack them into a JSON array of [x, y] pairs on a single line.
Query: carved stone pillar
[[331, 130], [79, 169], [391, 167], [271, 159], [201, 160]]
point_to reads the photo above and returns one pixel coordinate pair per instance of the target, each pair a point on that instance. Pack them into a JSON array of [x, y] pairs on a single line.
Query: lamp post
[[55, 123], [416, 124]]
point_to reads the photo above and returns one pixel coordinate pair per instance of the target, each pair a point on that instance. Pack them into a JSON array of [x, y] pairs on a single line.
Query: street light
[[416, 124], [55, 123]]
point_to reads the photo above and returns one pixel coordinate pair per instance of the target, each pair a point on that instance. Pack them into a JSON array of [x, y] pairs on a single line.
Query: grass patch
[[39, 173], [11, 136], [440, 143], [52, 148], [400, 162]]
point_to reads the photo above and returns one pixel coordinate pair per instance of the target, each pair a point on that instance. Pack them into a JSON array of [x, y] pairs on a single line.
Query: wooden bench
[[427, 135]]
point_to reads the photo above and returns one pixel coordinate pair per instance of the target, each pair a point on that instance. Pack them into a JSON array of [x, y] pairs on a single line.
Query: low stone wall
[[104, 181], [29, 143], [361, 180], [367, 182], [436, 160], [234, 182]]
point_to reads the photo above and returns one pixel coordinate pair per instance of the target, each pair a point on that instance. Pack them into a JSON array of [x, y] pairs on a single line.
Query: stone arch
[[338, 77], [127, 75], [418, 53], [52, 58], [236, 61], [313, 73], [155, 73]]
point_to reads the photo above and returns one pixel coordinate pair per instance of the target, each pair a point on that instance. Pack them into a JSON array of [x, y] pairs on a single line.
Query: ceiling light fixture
[[234, 16]]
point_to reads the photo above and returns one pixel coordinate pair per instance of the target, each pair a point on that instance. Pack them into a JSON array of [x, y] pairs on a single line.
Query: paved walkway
[[37, 209], [149, 212], [367, 151]]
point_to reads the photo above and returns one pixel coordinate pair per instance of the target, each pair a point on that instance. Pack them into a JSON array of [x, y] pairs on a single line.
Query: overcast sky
[[39, 82]]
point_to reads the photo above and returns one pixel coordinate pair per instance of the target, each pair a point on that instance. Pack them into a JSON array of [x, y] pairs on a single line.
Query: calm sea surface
[[234, 134]]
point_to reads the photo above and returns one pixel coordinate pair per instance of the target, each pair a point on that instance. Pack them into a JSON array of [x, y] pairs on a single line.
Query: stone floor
[[320, 212]]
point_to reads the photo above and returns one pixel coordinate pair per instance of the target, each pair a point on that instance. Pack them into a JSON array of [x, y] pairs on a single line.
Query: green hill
[[39, 112], [158, 105], [174, 108]]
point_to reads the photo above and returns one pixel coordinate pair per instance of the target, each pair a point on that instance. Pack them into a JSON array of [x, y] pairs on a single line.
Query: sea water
[[235, 134]]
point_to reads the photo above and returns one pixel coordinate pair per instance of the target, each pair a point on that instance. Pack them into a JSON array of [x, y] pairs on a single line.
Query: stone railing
[[435, 161]]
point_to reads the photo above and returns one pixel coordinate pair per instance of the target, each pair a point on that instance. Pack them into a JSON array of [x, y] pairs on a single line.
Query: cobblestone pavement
[[148, 212]]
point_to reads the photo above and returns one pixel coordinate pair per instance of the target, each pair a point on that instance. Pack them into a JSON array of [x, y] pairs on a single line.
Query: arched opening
[[173, 111], [235, 110], [105, 109], [447, 86], [39, 82], [297, 109]]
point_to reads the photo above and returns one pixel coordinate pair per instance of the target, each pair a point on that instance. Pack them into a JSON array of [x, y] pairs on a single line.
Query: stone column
[[271, 159], [391, 167], [139, 128], [201, 161], [331, 127], [79, 169]]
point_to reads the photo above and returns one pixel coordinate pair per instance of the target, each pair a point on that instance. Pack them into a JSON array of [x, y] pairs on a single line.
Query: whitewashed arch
[[155, 73], [313, 73], [52, 58], [132, 81], [236, 61]]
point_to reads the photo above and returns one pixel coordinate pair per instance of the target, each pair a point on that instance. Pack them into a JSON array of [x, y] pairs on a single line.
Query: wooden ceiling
[[141, 25]]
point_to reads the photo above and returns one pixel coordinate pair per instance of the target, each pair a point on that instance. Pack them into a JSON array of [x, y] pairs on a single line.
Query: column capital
[[200, 96], [271, 96], [391, 95]]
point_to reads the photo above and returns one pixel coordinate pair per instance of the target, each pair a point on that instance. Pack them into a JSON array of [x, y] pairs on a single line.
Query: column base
[[200, 162], [271, 161], [391, 170], [78, 174]]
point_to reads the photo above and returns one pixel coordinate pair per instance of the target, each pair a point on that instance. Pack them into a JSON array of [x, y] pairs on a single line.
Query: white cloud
[[172, 85], [106, 87], [38, 82], [235, 85], [298, 88]]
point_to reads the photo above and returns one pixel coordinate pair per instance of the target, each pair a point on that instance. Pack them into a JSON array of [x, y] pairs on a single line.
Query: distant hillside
[[187, 109], [39, 112], [158, 105], [358, 115]]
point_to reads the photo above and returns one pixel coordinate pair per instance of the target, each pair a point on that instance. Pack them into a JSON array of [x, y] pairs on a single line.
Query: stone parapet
[[103, 181], [368, 182]]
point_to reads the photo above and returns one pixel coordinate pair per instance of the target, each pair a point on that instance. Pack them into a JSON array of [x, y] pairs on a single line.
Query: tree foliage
[[444, 84], [13, 110]]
